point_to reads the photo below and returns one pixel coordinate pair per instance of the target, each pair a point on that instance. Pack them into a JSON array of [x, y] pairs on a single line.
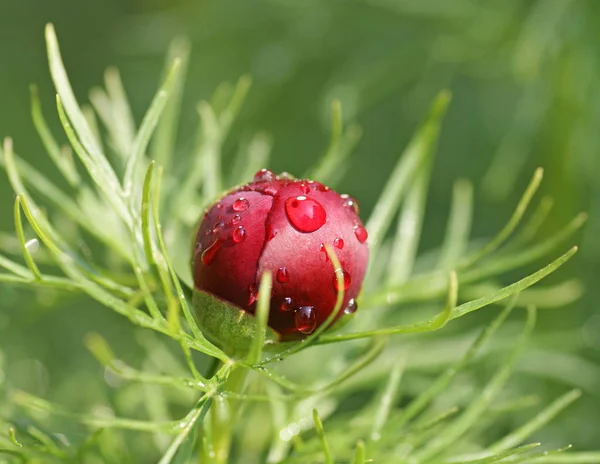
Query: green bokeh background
[[524, 76]]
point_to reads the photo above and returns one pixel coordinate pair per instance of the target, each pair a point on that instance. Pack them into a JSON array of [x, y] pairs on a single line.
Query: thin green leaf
[[459, 225], [512, 224], [499, 456], [147, 128], [163, 145], [187, 426], [523, 432], [261, 317], [435, 323], [64, 163], [386, 401], [480, 403], [406, 242], [121, 124], [360, 454], [21, 235], [322, 439], [419, 148]]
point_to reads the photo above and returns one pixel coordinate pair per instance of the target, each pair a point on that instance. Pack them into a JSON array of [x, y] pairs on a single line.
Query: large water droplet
[[361, 234], [352, 307], [305, 319], [283, 276], [241, 204], [347, 281], [305, 214], [338, 243], [209, 254], [239, 234], [286, 304], [264, 175]]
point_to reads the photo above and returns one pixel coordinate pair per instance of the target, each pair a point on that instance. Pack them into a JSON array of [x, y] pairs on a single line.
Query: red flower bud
[[282, 225]]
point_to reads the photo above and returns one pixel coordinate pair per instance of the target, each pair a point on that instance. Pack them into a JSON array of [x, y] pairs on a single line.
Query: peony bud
[[281, 225]]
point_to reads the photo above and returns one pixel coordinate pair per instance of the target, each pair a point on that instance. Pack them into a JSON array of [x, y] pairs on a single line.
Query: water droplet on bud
[[239, 234], [283, 275], [361, 234], [209, 254], [347, 281], [241, 204], [264, 175], [236, 220], [286, 304], [305, 214], [352, 307], [252, 294], [305, 319], [338, 243]]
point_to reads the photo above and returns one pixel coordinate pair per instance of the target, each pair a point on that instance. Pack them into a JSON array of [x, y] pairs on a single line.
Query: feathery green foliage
[[142, 274]]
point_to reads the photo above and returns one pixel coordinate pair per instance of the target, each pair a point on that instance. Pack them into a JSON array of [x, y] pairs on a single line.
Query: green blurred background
[[524, 75]]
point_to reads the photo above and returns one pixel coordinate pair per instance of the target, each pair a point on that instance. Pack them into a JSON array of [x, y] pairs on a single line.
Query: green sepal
[[227, 325]]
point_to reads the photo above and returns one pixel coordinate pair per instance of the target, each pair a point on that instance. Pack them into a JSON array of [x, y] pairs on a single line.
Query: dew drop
[[270, 232], [304, 189], [252, 294], [338, 243], [264, 175], [239, 234], [320, 187], [286, 304], [351, 307], [361, 234], [349, 202], [209, 254], [305, 319], [241, 204], [285, 175], [305, 214], [347, 281], [236, 220], [322, 249], [218, 227], [219, 206], [283, 275]]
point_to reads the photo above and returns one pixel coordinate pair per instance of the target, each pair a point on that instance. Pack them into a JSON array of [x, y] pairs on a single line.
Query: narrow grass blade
[[321, 434], [436, 388], [207, 347], [512, 224], [360, 454], [122, 124], [523, 432], [591, 457], [419, 149], [163, 145], [499, 456], [533, 225], [341, 144], [107, 186], [387, 399], [21, 235], [147, 128], [406, 242], [252, 156], [262, 316], [514, 288], [433, 324], [459, 225], [479, 404], [63, 162], [15, 268], [210, 152], [88, 140]]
